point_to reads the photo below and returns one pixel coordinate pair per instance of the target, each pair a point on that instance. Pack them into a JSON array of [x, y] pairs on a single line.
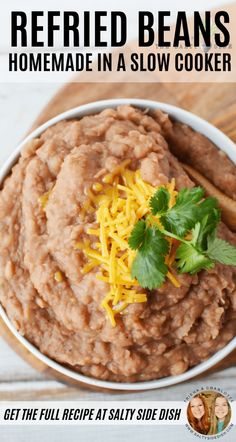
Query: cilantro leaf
[[159, 202], [148, 270], [149, 266], [155, 241], [221, 251], [137, 235], [206, 207], [193, 256], [204, 228], [190, 260], [184, 214]]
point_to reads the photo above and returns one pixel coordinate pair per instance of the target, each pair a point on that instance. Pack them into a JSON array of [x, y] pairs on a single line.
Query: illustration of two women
[[200, 418]]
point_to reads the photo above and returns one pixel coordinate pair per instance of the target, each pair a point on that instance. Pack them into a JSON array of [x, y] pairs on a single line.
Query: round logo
[[209, 412]]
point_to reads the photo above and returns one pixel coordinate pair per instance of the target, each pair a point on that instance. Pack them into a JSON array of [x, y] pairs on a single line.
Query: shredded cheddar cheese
[[43, 199], [119, 202], [58, 276]]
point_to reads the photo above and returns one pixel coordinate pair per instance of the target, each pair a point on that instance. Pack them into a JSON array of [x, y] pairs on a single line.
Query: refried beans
[[176, 328]]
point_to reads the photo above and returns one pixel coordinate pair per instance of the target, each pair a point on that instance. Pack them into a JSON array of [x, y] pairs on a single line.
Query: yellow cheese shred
[[118, 203], [58, 276], [43, 199]]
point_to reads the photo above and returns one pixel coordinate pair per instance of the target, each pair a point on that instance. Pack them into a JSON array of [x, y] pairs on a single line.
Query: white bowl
[[200, 125]]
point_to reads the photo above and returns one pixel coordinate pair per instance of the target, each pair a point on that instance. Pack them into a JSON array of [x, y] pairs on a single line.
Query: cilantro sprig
[[149, 265], [187, 210], [193, 222]]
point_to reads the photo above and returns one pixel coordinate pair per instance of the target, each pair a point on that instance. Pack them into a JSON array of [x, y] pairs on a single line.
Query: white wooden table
[[18, 381]]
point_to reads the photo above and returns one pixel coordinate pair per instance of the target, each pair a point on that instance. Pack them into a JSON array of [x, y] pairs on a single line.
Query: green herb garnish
[[192, 221], [180, 218], [149, 266], [221, 251], [159, 202]]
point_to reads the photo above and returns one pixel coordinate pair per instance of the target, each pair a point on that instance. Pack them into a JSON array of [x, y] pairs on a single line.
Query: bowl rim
[[220, 140]]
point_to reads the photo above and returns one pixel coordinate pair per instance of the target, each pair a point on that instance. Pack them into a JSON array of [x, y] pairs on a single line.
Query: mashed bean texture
[[177, 327]]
